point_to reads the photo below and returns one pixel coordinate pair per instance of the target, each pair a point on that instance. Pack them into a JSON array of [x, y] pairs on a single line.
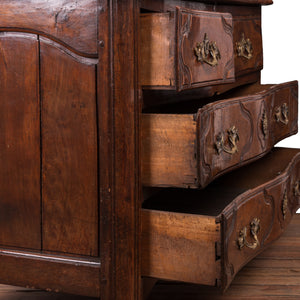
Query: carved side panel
[[19, 141], [69, 151], [204, 48]]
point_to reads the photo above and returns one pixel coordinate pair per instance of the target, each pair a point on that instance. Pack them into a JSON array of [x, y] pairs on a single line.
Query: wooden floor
[[275, 274]]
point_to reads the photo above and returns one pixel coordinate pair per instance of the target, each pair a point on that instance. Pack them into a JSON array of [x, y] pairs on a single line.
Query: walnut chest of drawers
[[136, 141], [216, 193]]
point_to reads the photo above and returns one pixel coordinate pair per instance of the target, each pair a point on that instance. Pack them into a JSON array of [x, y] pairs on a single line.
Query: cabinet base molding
[[50, 272]]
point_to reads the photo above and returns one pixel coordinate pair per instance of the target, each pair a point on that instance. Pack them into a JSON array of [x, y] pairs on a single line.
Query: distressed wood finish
[[118, 117], [158, 56], [181, 150], [69, 152], [178, 227], [157, 52], [48, 272], [20, 141], [163, 237], [73, 23], [167, 42], [168, 147], [82, 117], [274, 274], [175, 59]]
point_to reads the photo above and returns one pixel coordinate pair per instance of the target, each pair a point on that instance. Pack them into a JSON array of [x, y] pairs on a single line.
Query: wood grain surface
[[19, 141], [180, 150], [72, 23], [180, 239], [275, 274], [69, 152]]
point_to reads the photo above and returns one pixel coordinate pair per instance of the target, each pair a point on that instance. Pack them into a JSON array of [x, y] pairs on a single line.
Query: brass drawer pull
[[207, 52], [244, 48], [282, 114], [233, 138], [254, 229]]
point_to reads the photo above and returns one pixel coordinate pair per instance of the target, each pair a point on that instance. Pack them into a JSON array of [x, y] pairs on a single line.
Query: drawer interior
[[191, 106], [195, 235]]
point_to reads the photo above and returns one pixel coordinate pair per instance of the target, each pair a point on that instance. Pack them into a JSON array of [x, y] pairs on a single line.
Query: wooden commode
[[216, 193], [136, 142]]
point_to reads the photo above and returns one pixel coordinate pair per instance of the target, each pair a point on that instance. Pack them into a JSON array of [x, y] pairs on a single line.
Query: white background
[[281, 44]]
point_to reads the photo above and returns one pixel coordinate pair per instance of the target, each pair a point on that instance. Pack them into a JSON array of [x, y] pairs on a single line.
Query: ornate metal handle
[[282, 114], [207, 52], [254, 229], [233, 138], [244, 48]]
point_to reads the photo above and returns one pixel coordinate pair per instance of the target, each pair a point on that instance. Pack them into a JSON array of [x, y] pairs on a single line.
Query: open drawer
[[192, 48], [192, 146], [206, 236]]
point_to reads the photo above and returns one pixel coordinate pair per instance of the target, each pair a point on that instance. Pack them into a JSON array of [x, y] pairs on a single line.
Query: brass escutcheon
[[254, 229], [282, 114], [284, 206], [207, 52], [244, 48], [233, 138]]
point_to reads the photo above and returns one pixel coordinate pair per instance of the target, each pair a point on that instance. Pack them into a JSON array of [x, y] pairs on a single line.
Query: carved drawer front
[[192, 149], [189, 50], [207, 236]]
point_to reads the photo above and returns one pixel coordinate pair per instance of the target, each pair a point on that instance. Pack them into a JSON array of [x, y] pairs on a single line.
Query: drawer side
[[156, 46], [168, 150], [180, 247]]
